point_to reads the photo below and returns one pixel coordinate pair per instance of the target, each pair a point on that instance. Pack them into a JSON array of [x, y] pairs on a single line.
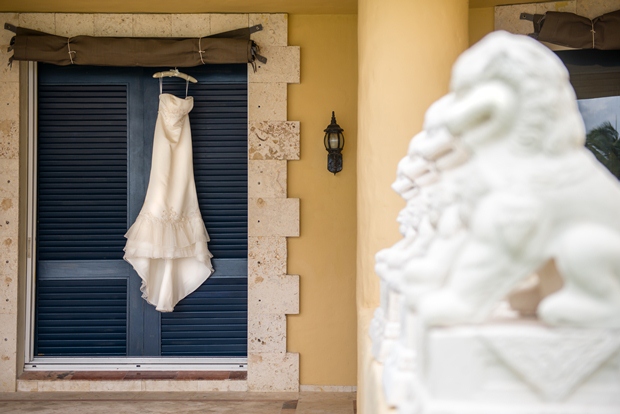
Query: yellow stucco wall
[[481, 22], [406, 51], [324, 333]]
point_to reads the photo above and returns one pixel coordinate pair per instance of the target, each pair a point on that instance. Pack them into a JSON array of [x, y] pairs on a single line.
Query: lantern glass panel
[[334, 141]]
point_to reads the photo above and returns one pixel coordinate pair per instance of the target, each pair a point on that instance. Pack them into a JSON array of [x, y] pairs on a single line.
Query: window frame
[[32, 362]]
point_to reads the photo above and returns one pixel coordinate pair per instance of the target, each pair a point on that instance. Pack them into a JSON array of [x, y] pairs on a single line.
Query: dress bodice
[[174, 109]]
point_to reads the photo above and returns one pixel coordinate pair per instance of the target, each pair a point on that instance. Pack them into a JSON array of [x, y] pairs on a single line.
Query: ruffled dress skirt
[[167, 244]]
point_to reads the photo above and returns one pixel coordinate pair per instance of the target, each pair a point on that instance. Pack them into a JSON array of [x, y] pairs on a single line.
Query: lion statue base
[[515, 367]]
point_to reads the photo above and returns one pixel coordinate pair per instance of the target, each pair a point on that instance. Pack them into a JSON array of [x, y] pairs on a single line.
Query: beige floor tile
[[81, 404], [325, 402], [132, 407], [176, 402]]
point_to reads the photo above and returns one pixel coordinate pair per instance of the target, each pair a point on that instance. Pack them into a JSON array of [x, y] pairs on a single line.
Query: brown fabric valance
[[229, 47], [571, 30]]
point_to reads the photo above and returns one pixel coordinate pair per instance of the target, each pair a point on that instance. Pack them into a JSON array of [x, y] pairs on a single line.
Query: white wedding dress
[[167, 244]]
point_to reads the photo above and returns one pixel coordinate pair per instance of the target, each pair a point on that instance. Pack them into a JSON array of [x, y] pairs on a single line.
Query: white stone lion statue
[[500, 193], [537, 193]]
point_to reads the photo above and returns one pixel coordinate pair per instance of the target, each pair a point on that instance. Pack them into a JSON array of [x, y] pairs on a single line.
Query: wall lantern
[[334, 142]]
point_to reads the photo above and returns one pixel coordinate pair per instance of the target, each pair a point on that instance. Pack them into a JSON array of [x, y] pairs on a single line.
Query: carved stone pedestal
[[517, 368]]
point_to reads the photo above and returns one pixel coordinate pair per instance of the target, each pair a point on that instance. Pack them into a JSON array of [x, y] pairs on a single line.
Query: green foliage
[[604, 144]]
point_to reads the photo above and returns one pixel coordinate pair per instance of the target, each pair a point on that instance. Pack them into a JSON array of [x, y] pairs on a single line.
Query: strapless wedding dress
[[167, 244]]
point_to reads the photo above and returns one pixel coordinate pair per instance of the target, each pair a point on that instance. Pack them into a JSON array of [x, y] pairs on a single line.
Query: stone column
[[406, 50]]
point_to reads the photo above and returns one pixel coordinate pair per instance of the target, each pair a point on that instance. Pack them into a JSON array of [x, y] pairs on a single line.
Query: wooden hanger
[[175, 73]]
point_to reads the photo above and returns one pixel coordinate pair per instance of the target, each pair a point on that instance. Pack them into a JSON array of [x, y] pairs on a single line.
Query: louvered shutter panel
[[81, 317], [82, 217], [212, 321], [82, 172]]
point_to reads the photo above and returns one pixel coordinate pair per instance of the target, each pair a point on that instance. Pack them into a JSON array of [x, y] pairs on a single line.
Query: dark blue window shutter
[[94, 158], [82, 217]]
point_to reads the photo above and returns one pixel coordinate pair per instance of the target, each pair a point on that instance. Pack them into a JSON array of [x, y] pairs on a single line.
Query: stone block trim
[[8, 348], [268, 101], [74, 24], [274, 294], [273, 217], [152, 25], [275, 29], [9, 184], [191, 25], [273, 372], [9, 138], [8, 74], [114, 25], [595, 8], [273, 140], [111, 386], [270, 368], [269, 179], [194, 386], [131, 386], [8, 284], [27, 386], [282, 65], [9, 105], [6, 35], [224, 22], [9, 203], [507, 17], [268, 333], [43, 22], [266, 256]]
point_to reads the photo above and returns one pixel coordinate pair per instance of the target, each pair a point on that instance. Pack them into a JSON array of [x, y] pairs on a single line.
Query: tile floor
[[178, 403]]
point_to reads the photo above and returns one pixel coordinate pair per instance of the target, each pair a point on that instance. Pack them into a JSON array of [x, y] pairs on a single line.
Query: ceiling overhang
[[474, 4], [184, 6]]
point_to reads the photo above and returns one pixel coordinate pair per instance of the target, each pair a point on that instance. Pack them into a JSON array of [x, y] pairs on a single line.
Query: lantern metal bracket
[[334, 161]]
